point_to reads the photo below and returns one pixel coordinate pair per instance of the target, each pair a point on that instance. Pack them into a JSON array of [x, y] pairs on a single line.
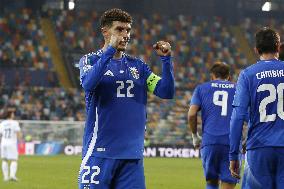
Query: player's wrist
[[196, 139], [195, 136], [166, 59], [165, 56]]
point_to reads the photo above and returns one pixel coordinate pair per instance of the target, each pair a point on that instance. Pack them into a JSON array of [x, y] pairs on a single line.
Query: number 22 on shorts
[[94, 171]]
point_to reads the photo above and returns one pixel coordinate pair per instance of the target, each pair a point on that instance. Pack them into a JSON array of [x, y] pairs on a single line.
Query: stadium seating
[[250, 26], [39, 103], [196, 42], [22, 49]]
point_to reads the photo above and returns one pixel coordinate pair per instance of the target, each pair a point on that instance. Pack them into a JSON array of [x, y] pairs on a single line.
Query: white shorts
[[9, 151]]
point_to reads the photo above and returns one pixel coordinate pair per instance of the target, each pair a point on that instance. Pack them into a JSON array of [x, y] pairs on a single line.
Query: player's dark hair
[[220, 70], [114, 15], [267, 41], [9, 114], [281, 52]]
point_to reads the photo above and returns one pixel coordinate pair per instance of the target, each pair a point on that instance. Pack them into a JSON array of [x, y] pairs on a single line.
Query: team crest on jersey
[[134, 72]]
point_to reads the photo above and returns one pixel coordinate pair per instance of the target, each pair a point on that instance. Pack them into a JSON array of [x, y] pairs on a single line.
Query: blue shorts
[[103, 173], [215, 161], [264, 168]]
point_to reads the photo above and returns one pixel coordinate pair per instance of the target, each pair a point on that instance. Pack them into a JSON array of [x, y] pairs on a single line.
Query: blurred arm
[[19, 135]]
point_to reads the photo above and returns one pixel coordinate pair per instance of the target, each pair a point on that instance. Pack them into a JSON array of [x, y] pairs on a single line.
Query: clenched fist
[[162, 48]]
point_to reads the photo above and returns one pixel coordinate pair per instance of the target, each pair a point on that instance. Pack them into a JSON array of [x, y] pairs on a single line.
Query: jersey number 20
[[269, 99], [223, 101]]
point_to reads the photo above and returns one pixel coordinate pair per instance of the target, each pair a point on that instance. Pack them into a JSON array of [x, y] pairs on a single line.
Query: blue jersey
[[260, 90], [215, 101], [116, 97]]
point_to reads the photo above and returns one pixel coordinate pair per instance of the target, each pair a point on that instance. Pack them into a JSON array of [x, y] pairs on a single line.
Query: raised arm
[[163, 87], [91, 75]]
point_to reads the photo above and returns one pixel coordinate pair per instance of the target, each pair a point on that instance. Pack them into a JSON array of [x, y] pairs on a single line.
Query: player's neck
[[269, 56], [220, 79], [117, 55], [214, 78]]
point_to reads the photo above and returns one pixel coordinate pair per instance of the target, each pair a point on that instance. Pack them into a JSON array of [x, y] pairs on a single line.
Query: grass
[[61, 172]]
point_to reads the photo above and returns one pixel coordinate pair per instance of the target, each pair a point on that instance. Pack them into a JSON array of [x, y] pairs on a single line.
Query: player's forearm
[[166, 86], [236, 128], [94, 75], [192, 120], [19, 136]]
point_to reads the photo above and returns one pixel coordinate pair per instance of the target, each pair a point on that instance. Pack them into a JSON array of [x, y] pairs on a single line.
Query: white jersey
[[8, 130]]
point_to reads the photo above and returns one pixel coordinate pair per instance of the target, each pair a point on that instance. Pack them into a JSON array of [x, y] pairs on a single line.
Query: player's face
[[121, 29]]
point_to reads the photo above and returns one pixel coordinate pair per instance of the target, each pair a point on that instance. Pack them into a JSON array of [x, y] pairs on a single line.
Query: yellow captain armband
[[152, 81]]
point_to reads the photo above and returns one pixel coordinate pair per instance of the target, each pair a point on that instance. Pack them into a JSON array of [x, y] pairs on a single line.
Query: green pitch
[[61, 172]]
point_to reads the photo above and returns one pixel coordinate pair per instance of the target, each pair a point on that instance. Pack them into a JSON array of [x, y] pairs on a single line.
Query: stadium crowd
[[23, 54], [39, 103], [197, 42], [250, 26]]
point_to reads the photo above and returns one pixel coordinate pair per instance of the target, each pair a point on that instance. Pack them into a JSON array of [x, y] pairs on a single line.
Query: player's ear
[[229, 78], [278, 48], [256, 51], [105, 32], [212, 76]]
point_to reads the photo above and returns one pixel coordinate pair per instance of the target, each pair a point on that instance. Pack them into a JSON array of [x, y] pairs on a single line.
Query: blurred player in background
[[116, 87], [10, 133], [260, 89], [214, 99]]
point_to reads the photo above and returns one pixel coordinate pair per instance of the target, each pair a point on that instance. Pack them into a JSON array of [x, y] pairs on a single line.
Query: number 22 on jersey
[[128, 84]]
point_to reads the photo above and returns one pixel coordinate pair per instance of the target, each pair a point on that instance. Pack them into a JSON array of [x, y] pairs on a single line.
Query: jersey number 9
[[223, 101]]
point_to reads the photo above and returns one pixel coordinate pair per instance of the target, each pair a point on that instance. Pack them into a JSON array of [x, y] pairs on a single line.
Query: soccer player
[[116, 87], [260, 89], [10, 132], [214, 99]]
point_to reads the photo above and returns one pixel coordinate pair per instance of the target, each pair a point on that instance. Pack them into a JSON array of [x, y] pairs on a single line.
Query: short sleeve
[[195, 100], [17, 127], [242, 96]]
